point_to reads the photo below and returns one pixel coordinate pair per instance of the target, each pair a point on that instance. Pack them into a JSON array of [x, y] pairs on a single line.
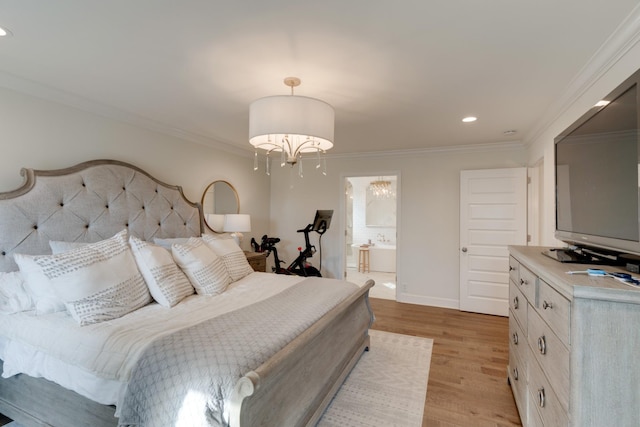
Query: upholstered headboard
[[89, 202]]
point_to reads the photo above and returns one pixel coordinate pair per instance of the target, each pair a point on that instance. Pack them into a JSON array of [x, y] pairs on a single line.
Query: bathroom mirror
[[219, 198]]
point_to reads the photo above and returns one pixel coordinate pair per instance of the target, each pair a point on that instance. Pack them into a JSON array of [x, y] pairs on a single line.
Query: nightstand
[[257, 260]]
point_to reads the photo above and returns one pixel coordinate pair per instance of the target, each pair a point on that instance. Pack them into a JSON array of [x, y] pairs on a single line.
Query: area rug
[[387, 387]]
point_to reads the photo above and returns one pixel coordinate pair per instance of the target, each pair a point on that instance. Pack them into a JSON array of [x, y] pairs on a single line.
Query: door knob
[[464, 249]]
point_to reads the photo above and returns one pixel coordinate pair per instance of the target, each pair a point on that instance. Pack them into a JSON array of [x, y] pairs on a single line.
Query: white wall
[[613, 63], [428, 217], [42, 134]]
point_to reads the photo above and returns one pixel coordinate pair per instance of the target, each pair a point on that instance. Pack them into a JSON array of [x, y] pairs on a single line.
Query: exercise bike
[[300, 266]]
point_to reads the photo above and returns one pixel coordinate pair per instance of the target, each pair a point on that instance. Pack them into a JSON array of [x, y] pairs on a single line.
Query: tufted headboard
[[89, 202]]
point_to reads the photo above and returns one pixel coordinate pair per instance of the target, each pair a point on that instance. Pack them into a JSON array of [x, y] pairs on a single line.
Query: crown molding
[[470, 148], [623, 39], [38, 90]]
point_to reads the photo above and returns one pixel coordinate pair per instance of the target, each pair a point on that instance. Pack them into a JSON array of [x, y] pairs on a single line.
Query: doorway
[[371, 206], [493, 215]]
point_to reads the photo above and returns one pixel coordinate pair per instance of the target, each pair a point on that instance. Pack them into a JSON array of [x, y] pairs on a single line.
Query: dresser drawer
[[533, 416], [527, 283], [514, 270], [555, 310], [518, 380], [551, 354], [543, 398], [518, 305], [518, 340]]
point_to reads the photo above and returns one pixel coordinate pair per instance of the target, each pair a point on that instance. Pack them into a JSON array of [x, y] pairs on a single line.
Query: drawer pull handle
[[515, 338], [523, 282], [546, 305], [542, 345], [541, 397], [516, 303], [515, 374], [511, 268]]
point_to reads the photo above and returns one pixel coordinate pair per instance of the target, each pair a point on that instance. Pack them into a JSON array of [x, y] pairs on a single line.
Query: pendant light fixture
[[291, 125], [381, 189]]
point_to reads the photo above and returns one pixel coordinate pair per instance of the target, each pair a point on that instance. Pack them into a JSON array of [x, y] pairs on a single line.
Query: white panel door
[[493, 215]]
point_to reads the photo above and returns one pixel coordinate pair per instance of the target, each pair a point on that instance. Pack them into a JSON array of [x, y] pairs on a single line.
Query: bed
[[95, 200]]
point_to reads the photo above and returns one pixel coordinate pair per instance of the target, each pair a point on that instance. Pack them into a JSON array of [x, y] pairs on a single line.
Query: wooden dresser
[[574, 353], [257, 260]]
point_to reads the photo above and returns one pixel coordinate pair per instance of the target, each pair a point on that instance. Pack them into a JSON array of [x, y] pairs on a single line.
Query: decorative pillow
[[58, 246], [166, 243], [167, 283], [233, 257], [97, 282], [37, 285], [203, 267], [13, 296]]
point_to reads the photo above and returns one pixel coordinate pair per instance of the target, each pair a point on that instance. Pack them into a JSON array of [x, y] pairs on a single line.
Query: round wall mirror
[[219, 198]]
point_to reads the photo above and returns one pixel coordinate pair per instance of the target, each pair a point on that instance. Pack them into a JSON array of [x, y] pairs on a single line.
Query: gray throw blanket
[[185, 378]]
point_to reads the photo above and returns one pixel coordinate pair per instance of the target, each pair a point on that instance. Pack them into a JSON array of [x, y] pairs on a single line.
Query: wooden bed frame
[[293, 388]]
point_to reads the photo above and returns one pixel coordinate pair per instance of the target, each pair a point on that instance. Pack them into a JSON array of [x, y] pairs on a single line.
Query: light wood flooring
[[467, 381], [468, 376]]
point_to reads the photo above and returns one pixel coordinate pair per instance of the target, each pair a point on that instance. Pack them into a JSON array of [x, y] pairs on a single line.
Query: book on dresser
[[574, 344]]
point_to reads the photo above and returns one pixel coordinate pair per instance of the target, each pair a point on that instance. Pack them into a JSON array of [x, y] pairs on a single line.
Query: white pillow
[[13, 296], [166, 243], [203, 267], [167, 283], [233, 257], [97, 282], [58, 246], [37, 285]]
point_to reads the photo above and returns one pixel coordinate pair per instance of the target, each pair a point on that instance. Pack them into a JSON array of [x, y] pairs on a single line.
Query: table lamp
[[236, 224]]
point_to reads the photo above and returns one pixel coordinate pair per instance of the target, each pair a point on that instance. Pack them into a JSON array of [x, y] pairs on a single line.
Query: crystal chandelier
[[381, 189], [291, 125]]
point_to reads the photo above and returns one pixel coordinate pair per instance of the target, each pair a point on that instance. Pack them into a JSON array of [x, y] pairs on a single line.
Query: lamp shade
[[308, 123], [238, 223]]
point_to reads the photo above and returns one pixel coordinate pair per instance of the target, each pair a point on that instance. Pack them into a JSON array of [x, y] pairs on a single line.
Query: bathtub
[[382, 257]]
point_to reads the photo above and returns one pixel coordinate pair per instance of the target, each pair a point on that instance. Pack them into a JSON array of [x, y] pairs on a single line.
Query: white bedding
[[96, 360]]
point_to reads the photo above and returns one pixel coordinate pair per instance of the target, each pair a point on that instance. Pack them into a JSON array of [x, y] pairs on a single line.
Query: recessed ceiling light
[[4, 32], [601, 103], [469, 119]]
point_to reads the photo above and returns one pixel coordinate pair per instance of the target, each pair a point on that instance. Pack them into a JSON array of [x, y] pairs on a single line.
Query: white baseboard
[[430, 301]]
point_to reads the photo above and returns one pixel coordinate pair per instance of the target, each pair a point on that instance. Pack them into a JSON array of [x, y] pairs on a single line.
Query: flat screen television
[[596, 168]]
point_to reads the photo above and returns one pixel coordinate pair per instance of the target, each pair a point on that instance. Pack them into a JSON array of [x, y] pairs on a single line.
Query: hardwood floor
[[467, 381], [468, 376]]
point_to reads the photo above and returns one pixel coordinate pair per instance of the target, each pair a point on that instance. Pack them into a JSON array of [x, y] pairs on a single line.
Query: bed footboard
[[295, 386]]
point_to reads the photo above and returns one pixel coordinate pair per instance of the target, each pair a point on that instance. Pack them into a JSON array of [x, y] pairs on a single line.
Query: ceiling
[[400, 75]]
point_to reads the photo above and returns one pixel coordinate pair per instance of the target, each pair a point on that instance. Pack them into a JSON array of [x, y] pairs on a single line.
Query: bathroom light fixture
[[4, 32], [381, 189], [291, 125], [237, 224], [469, 119]]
